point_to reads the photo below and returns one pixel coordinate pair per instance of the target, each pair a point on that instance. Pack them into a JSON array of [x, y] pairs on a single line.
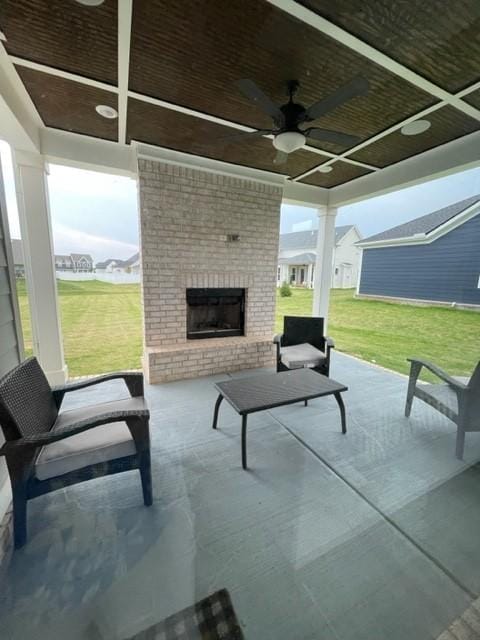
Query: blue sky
[[96, 213], [377, 214]]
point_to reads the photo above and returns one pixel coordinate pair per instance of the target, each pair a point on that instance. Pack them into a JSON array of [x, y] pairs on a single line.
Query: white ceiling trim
[[378, 136], [36, 66], [304, 195], [20, 120], [297, 11], [454, 156], [228, 123], [465, 92], [158, 102], [169, 156], [359, 46], [124, 38], [86, 152]]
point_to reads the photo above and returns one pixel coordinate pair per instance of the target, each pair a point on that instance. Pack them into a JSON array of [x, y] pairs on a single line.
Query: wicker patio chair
[[458, 399], [47, 449], [302, 344]]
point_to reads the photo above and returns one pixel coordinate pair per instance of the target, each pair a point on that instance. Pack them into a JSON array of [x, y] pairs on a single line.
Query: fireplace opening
[[215, 313]]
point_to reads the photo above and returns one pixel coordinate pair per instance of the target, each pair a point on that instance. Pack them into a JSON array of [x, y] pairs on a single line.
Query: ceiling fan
[[287, 118]]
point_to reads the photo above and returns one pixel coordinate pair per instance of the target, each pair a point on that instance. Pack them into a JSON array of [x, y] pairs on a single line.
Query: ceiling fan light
[[289, 141]]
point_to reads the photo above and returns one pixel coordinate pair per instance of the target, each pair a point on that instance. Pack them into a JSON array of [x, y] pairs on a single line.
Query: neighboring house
[[297, 255], [82, 262], [63, 263], [132, 265], [435, 258], [18, 259], [76, 262]]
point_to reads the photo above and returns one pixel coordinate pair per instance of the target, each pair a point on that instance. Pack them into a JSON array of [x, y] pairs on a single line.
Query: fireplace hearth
[[215, 313]]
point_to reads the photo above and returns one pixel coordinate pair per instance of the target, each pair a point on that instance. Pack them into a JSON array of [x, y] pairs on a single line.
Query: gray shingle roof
[[118, 262], [78, 256], [301, 258], [426, 224], [308, 239]]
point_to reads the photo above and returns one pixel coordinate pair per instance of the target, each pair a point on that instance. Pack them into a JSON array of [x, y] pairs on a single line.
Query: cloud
[[68, 240]]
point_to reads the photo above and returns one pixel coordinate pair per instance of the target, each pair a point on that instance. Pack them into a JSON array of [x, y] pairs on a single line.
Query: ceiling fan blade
[[357, 87], [343, 139], [247, 134], [280, 158], [254, 93], [239, 135]]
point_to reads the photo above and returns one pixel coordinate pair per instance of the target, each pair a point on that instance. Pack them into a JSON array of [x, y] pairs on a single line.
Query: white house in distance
[[112, 265], [75, 262], [297, 253]]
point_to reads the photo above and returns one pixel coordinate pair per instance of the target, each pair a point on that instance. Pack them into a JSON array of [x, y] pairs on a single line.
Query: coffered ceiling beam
[[449, 158], [66, 75], [122, 92], [367, 51], [19, 119], [124, 37]]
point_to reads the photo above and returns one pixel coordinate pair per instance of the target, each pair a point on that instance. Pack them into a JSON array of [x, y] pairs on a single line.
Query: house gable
[[446, 269], [427, 228]]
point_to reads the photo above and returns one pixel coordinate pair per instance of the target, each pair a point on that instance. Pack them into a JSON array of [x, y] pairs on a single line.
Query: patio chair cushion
[[301, 355], [106, 442]]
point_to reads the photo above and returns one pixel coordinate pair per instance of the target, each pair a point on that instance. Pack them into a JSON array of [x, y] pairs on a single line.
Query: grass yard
[[102, 328], [387, 332], [101, 324]]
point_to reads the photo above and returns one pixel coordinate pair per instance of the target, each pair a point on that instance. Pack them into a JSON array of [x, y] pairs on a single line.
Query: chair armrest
[[330, 342], [440, 373], [277, 339], [133, 380], [48, 437]]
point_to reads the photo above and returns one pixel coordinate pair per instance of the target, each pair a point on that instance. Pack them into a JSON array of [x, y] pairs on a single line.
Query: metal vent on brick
[[215, 313]]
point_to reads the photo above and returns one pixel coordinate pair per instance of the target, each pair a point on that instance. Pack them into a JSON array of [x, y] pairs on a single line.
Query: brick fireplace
[[204, 236]]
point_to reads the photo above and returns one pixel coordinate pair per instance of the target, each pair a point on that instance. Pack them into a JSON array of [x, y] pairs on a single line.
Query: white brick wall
[[186, 215]]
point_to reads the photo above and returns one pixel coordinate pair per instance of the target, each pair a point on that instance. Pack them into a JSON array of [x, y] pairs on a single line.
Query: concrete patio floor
[[371, 535]]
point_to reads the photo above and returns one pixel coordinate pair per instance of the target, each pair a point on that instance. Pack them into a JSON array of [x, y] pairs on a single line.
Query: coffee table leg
[[339, 399], [244, 442], [215, 413]]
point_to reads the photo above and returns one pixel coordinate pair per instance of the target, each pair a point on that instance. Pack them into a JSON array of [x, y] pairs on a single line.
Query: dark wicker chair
[[299, 331], [47, 449], [458, 399]]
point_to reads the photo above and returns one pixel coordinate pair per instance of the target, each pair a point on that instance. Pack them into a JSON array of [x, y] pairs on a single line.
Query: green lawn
[[101, 324], [102, 328]]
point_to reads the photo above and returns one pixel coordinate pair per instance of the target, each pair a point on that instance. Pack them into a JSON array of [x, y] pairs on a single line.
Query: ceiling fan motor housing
[[293, 114]]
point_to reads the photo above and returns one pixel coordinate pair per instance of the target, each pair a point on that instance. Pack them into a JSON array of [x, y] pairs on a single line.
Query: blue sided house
[[435, 258]]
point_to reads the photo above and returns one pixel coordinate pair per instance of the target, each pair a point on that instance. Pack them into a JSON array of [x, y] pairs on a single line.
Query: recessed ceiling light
[[416, 127], [106, 111], [91, 3], [326, 169]]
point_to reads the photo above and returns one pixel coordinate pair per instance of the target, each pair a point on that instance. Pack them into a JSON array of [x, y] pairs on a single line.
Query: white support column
[[324, 262], [310, 275], [34, 214]]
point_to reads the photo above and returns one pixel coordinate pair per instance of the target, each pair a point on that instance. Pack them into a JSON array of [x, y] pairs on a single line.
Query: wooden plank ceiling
[[191, 54]]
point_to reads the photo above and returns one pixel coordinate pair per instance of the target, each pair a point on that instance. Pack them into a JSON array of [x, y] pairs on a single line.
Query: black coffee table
[[266, 391]]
